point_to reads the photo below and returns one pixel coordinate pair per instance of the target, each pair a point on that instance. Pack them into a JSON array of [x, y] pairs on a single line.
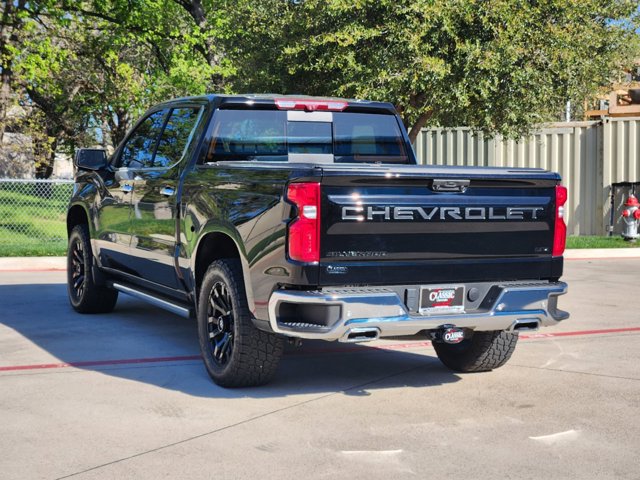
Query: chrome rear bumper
[[369, 313]]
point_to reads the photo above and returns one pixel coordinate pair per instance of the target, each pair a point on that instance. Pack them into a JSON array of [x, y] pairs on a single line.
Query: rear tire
[[85, 295], [235, 352], [483, 352]]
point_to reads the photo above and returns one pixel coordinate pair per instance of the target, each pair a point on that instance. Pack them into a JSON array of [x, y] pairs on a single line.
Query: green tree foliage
[[84, 69], [11, 22], [496, 65]]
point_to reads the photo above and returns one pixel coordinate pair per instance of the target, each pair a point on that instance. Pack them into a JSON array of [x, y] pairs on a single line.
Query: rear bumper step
[[366, 314]]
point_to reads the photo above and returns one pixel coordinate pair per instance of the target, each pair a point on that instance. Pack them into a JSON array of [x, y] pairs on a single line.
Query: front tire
[[483, 352], [85, 295], [235, 352]]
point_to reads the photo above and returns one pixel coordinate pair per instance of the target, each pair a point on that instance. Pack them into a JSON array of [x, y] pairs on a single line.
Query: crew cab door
[[155, 209], [113, 225]]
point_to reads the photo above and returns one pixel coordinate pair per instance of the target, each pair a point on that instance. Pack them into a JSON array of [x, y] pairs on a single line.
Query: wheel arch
[[218, 245], [77, 215]]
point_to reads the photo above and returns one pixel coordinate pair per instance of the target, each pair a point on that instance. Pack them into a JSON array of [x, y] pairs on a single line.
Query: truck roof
[[268, 100]]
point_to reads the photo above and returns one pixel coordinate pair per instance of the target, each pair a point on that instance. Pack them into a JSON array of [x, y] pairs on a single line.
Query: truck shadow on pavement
[[39, 318]]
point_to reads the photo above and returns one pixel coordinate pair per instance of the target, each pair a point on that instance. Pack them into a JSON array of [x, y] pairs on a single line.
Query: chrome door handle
[[126, 188], [167, 191]]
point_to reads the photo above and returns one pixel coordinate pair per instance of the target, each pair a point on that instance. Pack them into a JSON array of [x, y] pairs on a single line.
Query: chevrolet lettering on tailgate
[[360, 213]]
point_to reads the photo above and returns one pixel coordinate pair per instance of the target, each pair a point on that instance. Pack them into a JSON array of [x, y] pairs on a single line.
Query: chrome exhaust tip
[[356, 335], [525, 325]]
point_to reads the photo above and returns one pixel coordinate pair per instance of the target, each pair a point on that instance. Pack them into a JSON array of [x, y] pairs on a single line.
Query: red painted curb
[[534, 336], [96, 363], [361, 349]]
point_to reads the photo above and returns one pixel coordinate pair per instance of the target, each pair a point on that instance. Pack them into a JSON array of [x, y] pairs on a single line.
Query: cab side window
[[140, 147], [176, 136]]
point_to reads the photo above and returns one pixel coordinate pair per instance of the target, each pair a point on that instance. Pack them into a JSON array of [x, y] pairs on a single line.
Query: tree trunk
[[5, 97], [105, 135], [118, 126], [419, 124], [196, 10], [10, 24], [45, 155]]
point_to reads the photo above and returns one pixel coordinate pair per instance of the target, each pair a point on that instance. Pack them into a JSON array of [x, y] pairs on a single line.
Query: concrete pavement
[[137, 403]]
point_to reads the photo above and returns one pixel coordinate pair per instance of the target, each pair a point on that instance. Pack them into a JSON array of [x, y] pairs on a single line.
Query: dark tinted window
[[363, 137], [138, 151], [176, 136], [245, 135], [267, 135], [309, 137]]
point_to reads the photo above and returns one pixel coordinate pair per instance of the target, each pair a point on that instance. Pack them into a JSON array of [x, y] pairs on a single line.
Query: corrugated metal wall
[[590, 156]]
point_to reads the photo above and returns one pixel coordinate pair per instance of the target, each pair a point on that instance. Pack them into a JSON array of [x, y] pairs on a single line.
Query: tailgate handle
[[441, 185]]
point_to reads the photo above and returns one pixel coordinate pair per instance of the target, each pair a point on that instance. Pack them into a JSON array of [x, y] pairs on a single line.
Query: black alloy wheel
[[235, 352], [85, 294], [220, 322], [78, 270]]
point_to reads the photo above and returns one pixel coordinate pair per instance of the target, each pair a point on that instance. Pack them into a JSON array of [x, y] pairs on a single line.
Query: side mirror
[[90, 159]]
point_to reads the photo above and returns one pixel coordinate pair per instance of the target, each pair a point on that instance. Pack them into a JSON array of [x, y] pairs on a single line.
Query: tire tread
[[257, 352], [96, 298]]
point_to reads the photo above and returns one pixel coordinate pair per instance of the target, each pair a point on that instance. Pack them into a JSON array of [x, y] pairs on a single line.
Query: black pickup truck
[[271, 218]]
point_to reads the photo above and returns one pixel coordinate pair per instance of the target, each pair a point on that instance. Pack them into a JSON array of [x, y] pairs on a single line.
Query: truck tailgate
[[407, 224]]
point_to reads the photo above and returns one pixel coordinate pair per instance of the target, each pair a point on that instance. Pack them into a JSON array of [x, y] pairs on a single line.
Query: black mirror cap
[[90, 159]]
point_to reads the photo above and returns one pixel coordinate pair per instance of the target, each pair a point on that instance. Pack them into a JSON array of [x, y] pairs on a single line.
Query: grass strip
[[600, 242]]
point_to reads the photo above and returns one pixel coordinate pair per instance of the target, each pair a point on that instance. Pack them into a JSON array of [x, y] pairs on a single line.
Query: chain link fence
[[32, 216]]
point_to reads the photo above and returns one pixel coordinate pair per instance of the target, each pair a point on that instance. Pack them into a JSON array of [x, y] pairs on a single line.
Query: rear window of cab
[[272, 135]]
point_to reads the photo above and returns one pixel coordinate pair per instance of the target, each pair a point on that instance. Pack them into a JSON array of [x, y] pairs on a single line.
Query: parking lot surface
[[125, 395]]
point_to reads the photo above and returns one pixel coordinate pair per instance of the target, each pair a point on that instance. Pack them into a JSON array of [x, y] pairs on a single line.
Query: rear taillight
[[304, 230], [560, 232]]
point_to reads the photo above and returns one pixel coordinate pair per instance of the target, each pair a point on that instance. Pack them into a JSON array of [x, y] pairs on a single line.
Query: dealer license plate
[[441, 299]]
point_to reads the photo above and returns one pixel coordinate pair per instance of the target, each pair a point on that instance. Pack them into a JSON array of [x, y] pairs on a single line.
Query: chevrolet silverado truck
[[277, 218]]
